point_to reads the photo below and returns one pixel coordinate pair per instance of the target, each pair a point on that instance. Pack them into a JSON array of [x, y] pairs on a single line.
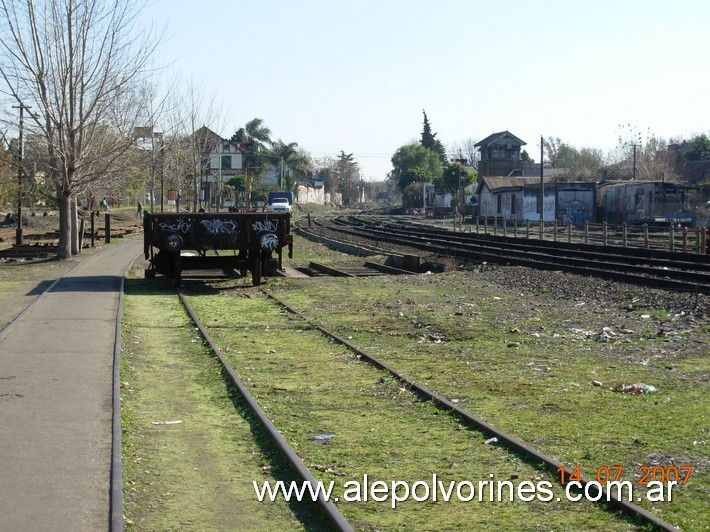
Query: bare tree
[[465, 150], [189, 121], [81, 65], [582, 164], [642, 155]]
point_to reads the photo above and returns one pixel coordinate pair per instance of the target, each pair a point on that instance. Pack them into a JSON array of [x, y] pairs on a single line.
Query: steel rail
[[694, 282], [605, 496], [544, 254], [676, 259], [329, 509]]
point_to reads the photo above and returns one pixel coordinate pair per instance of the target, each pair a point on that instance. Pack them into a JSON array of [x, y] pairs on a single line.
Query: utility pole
[[634, 170], [18, 231], [542, 184]]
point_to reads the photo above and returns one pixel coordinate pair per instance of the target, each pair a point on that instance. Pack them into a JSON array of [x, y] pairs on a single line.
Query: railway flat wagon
[[174, 242]]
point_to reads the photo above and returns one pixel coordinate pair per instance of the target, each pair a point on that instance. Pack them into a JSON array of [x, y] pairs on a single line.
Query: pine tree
[[430, 142]]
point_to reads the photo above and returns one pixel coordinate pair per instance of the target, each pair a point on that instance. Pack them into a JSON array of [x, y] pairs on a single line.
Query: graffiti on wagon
[[221, 227], [265, 225], [180, 226]]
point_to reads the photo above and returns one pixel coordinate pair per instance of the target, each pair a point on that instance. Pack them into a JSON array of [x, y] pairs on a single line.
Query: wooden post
[[93, 228], [685, 239], [107, 228], [569, 232], [604, 233], [586, 232], [625, 234], [671, 237], [645, 235], [82, 222]]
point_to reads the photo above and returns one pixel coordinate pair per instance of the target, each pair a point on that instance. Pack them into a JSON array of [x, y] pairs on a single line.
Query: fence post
[[569, 232], [485, 224], [703, 240], [93, 228], [685, 239], [604, 233], [107, 228], [625, 235], [671, 237], [554, 231], [645, 235], [478, 224], [586, 232], [505, 226], [527, 228], [515, 227]]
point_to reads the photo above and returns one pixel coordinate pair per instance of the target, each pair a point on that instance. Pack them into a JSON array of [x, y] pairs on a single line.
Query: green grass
[[524, 363], [527, 366], [196, 474], [310, 386]]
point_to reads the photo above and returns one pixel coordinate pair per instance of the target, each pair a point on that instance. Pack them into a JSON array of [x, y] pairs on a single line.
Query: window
[[500, 203], [226, 162]]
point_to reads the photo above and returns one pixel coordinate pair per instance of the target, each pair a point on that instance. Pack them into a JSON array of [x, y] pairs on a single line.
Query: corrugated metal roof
[[501, 182]]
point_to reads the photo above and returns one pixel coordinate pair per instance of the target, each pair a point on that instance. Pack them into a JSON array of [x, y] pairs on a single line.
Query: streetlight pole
[[18, 231]]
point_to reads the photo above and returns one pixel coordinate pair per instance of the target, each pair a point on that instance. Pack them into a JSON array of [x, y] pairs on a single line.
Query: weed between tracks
[[313, 388], [546, 371], [524, 363], [189, 457]]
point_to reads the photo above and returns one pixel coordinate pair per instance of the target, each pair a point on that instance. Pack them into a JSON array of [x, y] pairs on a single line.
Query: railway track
[[333, 515], [677, 271], [518, 448]]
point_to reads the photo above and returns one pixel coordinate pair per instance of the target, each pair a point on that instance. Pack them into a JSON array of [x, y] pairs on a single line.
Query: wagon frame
[[253, 239]]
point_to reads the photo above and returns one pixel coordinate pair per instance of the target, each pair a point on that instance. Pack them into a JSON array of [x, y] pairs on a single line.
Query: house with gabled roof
[[500, 154]]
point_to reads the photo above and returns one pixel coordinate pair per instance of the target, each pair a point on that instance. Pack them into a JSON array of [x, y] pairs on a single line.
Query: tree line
[[98, 119], [637, 156]]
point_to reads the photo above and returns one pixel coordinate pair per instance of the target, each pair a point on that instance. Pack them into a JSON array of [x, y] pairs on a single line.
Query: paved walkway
[[56, 366]]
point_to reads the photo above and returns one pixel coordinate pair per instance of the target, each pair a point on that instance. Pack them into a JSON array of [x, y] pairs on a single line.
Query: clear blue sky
[[355, 76]]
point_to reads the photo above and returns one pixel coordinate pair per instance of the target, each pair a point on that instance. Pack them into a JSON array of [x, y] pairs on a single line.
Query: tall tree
[[430, 142], [700, 150], [347, 172], [257, 137], [641, 156], [465, 150], [454, 179], [325, 171], [296, 163], [580, 164], [413, 163], [80, 66]]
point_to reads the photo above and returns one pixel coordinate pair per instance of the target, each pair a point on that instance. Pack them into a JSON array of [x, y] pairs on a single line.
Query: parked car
[[279, 205]]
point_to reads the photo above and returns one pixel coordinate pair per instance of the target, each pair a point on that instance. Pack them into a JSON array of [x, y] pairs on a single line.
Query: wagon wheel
[[256, 268]]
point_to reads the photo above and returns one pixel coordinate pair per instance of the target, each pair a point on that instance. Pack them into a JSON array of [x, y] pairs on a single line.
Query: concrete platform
[[56, 396]]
